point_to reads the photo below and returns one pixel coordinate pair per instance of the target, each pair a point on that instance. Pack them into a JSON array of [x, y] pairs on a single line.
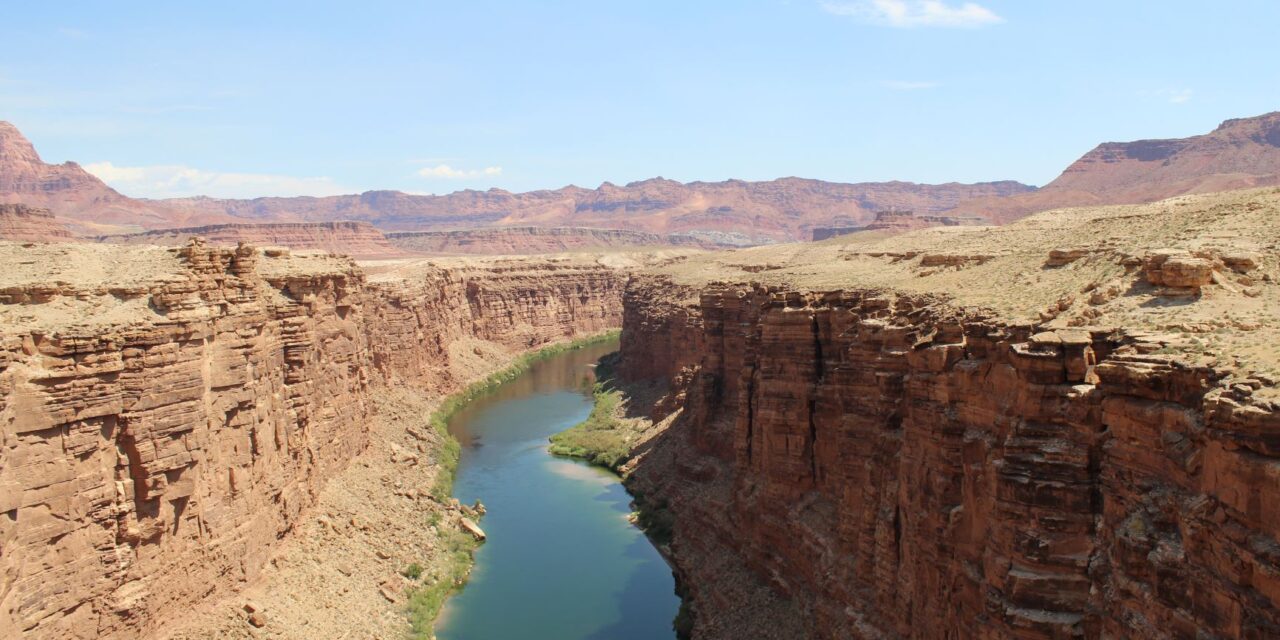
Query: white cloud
[[1172, 96], [178, 181], [73, 33], [906, 85], [907, 14], [449, 173]]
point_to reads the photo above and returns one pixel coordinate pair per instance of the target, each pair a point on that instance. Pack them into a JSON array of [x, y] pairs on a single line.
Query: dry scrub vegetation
[[1084, 267]]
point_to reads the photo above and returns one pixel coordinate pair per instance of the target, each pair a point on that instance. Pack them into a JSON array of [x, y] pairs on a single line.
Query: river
[[561, 561]]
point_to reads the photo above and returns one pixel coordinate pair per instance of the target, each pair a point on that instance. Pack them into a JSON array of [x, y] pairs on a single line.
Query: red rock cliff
[[168, 415], [882, 465]]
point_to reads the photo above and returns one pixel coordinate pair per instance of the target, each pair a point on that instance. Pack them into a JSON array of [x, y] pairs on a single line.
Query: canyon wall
[[891, 466], [167, 421], [357, 239]]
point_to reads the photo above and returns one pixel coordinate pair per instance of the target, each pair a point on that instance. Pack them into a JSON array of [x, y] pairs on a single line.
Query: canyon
[[865, 439], [860, 437], [170, 415], [1065, 426]]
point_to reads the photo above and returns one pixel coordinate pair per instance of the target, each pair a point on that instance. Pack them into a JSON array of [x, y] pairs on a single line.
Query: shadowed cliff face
[[894, 467], [168, 416]]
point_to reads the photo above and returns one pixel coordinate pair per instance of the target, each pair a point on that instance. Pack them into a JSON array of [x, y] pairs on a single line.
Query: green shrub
[[412, 572]]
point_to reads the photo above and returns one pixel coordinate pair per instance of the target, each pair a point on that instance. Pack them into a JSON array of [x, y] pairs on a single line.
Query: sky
[[241, 99]]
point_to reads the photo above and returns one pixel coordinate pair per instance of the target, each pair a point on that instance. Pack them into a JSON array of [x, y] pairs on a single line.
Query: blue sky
[[274, 98]]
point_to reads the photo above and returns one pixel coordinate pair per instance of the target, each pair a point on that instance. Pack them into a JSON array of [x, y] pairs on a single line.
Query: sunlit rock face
[[168, 416], [890, 466]]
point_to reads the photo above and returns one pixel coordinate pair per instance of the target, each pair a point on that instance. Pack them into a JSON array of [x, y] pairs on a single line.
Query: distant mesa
[[19, 222], [534, 240], [357, 239], [722, 213], [1238, 154], [898, 222]]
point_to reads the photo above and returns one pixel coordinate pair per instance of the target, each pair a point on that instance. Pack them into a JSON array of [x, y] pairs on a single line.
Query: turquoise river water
[[562, 562]]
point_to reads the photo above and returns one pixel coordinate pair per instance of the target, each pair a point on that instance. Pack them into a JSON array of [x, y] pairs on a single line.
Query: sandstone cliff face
[[427, 320], [153, 455], [900, 468], [356, 239], [21, 223]]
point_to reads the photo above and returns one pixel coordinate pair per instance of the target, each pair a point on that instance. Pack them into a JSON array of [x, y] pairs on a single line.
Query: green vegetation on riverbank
[[606, 438], [603, 438], [455, 402], [426, 600]]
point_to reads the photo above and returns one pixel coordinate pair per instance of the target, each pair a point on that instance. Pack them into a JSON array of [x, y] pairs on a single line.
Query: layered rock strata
[[898, 222], [153, 456], [895, 466], [18, 222], [358, 239]]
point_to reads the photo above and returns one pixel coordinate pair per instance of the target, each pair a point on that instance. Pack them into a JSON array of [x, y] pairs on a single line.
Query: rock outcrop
[[18, 222], [356, 239], [168, 415]]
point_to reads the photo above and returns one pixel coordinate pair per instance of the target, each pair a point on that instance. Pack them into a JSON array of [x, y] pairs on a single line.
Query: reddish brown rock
[[168, 416], [1239, 154], [21, 223], [1063, 257], [730, 212], [889, 466], [1177, 269]]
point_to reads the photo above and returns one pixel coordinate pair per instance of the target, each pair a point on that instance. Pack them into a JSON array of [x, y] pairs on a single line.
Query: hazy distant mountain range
[[1239, 153]]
